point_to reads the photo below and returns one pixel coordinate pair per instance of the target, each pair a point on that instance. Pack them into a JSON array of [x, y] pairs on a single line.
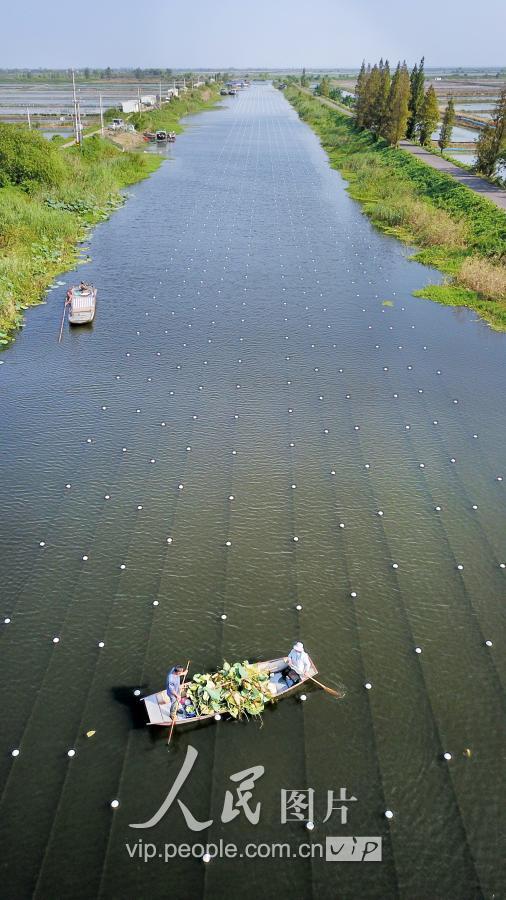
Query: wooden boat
[[82, 301], [158, 708]]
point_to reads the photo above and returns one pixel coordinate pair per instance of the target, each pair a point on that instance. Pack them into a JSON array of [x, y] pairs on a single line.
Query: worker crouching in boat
[[298, 667], [299, 664], [173, 687]]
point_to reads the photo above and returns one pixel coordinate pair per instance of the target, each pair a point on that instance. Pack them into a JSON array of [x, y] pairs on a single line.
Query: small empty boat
[[81, 301]]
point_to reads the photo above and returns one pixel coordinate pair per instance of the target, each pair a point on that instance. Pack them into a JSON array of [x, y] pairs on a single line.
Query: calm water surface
[[467, 135], [255, 338]]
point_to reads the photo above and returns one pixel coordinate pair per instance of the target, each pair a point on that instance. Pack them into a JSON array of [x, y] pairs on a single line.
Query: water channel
[[255, 339]]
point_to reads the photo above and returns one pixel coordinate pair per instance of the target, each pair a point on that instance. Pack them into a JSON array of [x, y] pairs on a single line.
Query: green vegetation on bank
[[458, 232], [51, 196], [169, 116]]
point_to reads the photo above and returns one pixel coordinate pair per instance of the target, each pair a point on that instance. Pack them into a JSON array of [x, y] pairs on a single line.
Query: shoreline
[[455, 230], [44, 223]]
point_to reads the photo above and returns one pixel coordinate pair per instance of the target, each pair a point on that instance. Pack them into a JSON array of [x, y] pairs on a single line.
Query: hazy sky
[[251, 33]]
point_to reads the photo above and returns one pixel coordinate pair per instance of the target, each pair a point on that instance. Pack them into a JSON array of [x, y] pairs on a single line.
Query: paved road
[[90, 134], [479, 185], [326, 101], [474, 182]]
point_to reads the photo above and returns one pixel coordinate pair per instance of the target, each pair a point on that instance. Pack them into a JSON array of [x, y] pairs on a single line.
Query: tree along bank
[[51, 196], [458, 232]]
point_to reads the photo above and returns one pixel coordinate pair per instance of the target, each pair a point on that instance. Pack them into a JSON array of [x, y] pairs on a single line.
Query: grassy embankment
[[51, 196], [458, 232]]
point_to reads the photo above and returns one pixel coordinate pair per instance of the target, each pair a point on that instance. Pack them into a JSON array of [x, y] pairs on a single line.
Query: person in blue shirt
[[173, 687]]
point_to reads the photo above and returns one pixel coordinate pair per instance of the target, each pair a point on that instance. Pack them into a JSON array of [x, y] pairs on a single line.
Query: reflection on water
[[242, 349]]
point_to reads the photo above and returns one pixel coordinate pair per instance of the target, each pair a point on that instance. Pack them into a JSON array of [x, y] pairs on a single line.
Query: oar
[[62, 321], [325, 688], [180, 692]]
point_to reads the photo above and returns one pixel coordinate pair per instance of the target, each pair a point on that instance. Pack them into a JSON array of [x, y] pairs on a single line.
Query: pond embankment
[[456, 230], [50, 197]]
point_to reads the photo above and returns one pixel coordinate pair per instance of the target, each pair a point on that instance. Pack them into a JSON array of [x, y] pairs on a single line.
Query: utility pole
[[79, 125], [101, 116], [76, 130], [28, 117], [160, 95], [138, 98]]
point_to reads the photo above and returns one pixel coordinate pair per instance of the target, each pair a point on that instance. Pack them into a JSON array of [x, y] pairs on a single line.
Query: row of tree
[[397, 106]]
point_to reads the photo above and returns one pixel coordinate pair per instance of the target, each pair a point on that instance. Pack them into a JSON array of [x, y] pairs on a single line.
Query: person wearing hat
[[298, 660]]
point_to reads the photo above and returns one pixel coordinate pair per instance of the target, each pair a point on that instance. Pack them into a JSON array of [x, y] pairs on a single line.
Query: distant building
[[130, 106]]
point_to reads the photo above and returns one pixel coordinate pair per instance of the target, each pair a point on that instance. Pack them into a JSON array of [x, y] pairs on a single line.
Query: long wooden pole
[[62, 321], [325, 688], [180, 692]]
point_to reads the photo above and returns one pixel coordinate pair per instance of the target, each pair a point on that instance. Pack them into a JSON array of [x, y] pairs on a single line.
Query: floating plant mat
[[239, 689]]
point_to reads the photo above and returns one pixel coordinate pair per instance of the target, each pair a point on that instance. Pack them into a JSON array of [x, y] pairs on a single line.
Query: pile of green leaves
[[239, 689]]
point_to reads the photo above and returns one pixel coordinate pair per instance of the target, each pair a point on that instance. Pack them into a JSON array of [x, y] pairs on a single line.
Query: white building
[[130, 106]]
